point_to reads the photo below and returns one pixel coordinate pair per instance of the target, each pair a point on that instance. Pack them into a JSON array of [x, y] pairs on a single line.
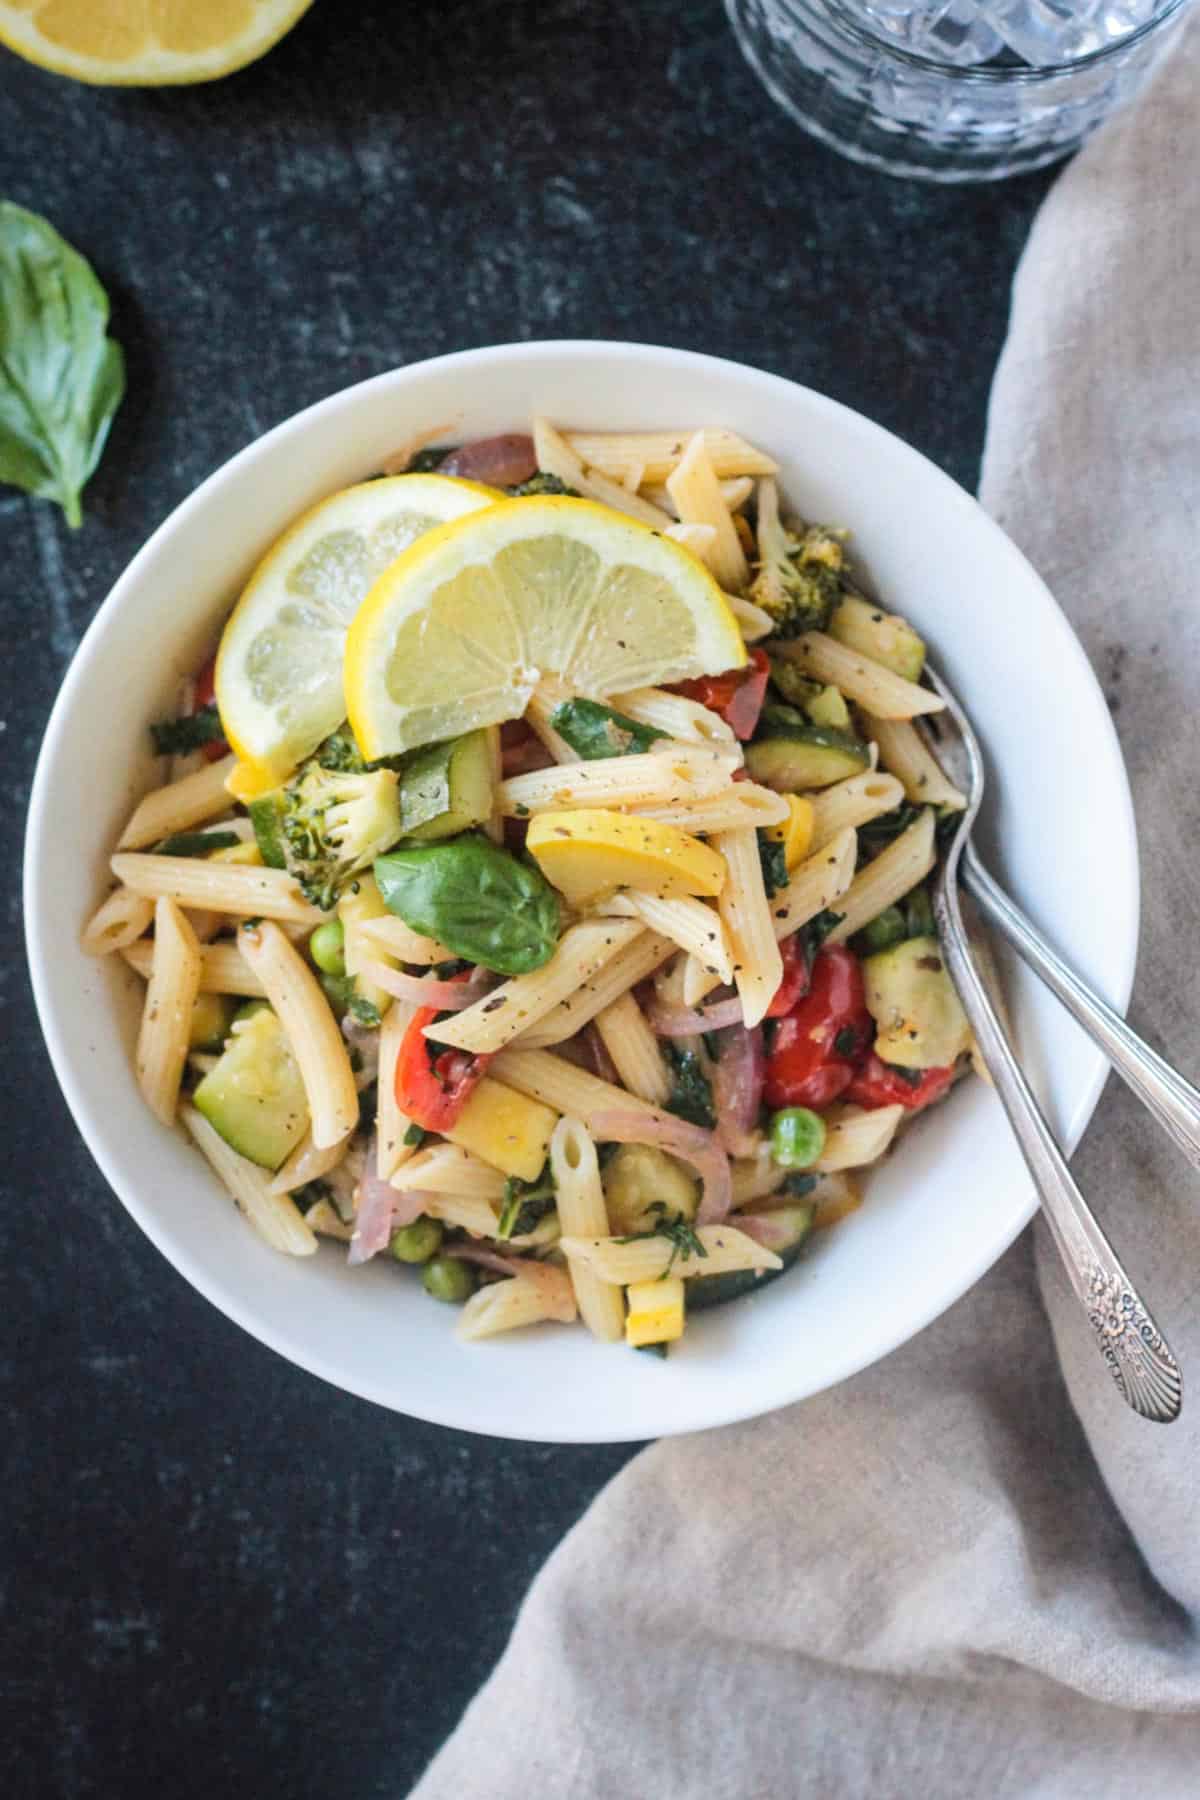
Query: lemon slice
[[145, 43], [458, 632], [279, 667]]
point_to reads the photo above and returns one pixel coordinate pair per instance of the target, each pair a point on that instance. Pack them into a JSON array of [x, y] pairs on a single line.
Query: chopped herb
[[691, 1095], [878, 833], [195, 843], [521, 810], [525, 1204], [310, 1195], [679, 1232], [846, 1041], [594, 731], [363, 1010], [659, 1350], [543, 483], [773, 857], [813, 935], [176, 737], [415, 1136]]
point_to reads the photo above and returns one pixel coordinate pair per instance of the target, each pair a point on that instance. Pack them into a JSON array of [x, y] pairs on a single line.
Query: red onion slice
[[525, 757], [737, 1081], [447, 996], [684, 1021], [680, 1139], [503, 461], [373, 1221]]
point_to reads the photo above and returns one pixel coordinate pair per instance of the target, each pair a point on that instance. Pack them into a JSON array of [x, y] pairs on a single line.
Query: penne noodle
[[657, 453], [582, 1214], [735, 491], [639, 959], [754, 622], [563, 1086], [724, 1249], [392, 935], [273, 1216], [634, 1050], [117, 922], [515, 1005], [223, 969], [868, 684], [743, 803], [179, 805], [326, 1221], [445, 1169], [547, 697], [892, 874], [749, 925], [696, 491], [675, 775], [684, 720], [692, 926], [308, 1163], [391, 1123], [555, 456], [754, 1177], [904, 752], [206, 925], [701, 540], [543, 1295], [853, 1138], [162, 1045], [221, 887], [312, 1031], [851, 803]]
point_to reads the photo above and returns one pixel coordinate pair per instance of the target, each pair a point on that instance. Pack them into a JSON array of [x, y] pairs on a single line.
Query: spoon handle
[[1174, 1102], [1137, 1356]]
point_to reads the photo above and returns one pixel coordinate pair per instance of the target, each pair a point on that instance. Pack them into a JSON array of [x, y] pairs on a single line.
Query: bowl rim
[[40, 936]]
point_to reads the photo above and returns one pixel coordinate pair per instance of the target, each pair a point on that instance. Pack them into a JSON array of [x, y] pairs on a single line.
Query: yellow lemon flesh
[[145, 43], [279, 667], [459, 631], [591, 852]]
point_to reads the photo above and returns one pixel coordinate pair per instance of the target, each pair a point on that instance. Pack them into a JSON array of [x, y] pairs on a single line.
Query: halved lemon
[[458, 632], [145, 43], [279, 667]]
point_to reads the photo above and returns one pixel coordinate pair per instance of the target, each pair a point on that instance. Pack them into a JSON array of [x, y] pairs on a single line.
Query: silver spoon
[[1138, 1357]]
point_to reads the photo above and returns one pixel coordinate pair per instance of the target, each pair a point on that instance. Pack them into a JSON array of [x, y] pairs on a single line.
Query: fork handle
[[1137, 1356], [1174, 1102]]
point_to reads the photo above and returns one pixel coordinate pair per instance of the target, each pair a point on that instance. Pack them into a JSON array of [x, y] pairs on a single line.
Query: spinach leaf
[[879, 832], [691, 1096], [175, 737], [476, 899], [526, 1204], [61, 377], [595, 731], [773, 857], [813, 935], [196, 843]]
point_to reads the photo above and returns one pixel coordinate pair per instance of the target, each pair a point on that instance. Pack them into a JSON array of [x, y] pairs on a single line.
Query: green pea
[[446, 1278], [920, 914], [327, 947], [797, 1137], [417, 1242], [886, 929]]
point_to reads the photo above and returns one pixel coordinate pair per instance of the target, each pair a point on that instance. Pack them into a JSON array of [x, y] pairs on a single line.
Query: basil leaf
[[594, 731], [476, 899], [773, 857], [61, 377], [691, 1095]]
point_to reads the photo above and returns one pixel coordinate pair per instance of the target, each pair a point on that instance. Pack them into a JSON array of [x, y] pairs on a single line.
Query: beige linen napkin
[[968, 1571]]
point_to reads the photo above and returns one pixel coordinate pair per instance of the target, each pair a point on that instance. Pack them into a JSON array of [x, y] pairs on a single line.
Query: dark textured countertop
[[219, 1575]]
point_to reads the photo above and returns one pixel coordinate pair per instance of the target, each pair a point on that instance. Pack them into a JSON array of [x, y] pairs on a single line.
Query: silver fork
[[1138, 1357]]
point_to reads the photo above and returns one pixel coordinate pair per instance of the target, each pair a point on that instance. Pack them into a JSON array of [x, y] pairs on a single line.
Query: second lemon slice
[[460, 629], [279, 668]]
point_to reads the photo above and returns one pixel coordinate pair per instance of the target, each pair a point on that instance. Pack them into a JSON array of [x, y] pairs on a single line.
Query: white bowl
[[938, 1213]]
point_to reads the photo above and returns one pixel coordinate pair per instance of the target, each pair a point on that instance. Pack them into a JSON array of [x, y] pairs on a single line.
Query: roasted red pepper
[[737, 694], [204, 694], [823, 1038], [879, 1084], [433, 1086]]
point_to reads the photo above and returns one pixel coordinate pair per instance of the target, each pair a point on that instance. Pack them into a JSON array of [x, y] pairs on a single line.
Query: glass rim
[[998, 77]]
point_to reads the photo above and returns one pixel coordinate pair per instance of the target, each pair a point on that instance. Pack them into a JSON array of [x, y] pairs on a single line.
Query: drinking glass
[[968, 90]]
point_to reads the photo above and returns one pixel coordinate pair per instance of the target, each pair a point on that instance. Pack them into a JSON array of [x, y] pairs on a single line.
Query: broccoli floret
[[799, 579], [340, 753], [335, 824], [541, 483]]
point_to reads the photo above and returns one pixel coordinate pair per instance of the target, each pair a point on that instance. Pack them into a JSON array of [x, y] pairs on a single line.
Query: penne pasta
[[311, 1029], [749, 926], [223, 969], [516, 1005], [696, 491], [701, 540], [892, 874], [326, 1221], [754, 622], [117, 922], [162, 1045], [868, 684], [221, 887], [722, 1249], [547, 697], [391, 1122], [561, 1085], [582, 1214], [735, 491], [904, 752], [684, 720], [674, 775], [743, 803], [851, 803], [657, 453], [853, 1138], [180, 805], [634, 1050], [543, 1295], [691, 925], [392, 935], [633, 964], [308, 1162], [446, 1169], [273, 1216], [555, 456]]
